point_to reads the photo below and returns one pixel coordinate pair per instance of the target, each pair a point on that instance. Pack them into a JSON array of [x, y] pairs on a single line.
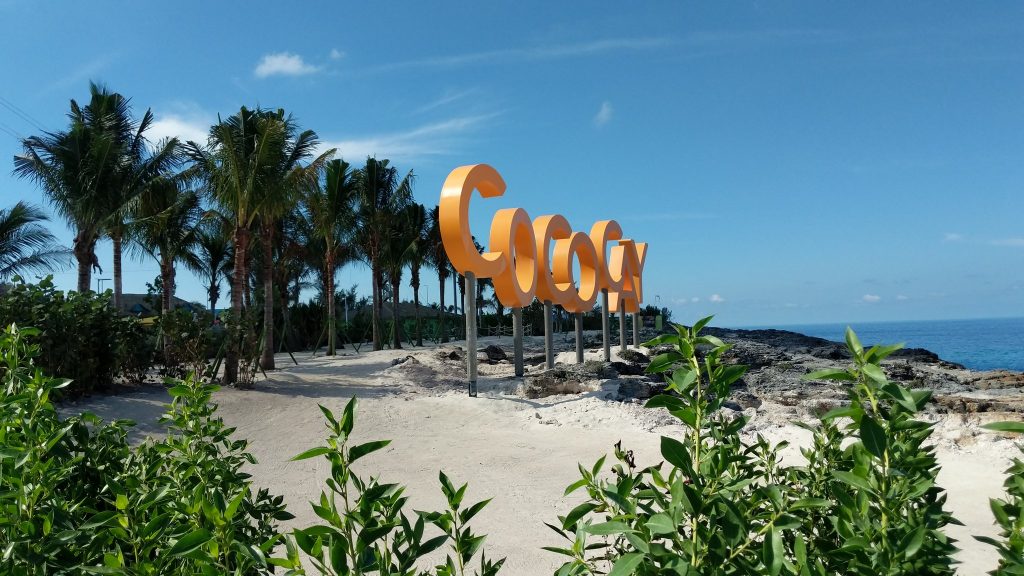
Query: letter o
[[579, 245], [545, 229], [512, 235]]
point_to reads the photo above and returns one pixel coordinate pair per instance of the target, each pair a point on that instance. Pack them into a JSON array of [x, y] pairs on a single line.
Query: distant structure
[[136, 305]]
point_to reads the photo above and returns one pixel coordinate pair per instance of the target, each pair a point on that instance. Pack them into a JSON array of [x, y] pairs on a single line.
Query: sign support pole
[[469, 305], [517, 340], [549, 349], [636, 330], [606, 326], [622, 326], [579, 337]]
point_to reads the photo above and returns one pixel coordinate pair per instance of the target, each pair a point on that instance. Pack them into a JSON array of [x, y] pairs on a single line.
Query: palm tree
[[166, 226], [439, 259], [329, 202], [248, 164], [129, 163], [400, 245], [93, 170], [25, 245], [418, 255], [213, 250], [61, 163], [382, 195]]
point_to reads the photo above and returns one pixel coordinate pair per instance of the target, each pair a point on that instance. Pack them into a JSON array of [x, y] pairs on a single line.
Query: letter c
[[454, 216]]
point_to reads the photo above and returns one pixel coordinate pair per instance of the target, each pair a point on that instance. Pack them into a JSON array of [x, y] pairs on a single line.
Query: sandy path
[[520, 452]]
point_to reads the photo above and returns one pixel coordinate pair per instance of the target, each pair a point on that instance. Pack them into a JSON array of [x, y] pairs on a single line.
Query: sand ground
[[520, 452]]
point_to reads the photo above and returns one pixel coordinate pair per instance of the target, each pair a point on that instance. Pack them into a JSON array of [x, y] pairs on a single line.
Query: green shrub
[[76, 498], [865, 503], [367, 530], [886, 514], [1009, 512], [720, 506], [81, 336]]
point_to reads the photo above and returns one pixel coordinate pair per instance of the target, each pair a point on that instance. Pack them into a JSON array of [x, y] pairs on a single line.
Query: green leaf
[[873, 436], [576, 513], [676, 454], [318, 451], [663, 362], [875, 373], [700, 324], [661, 523], [912, 542], [1005, 426], [830, 374], [772, 553], [626, 564], [853, 480], [607, 528], [190, 542], [853, 343], [852, 411], [357, 452]]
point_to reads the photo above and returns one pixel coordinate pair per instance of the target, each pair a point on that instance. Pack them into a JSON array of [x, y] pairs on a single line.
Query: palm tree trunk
[[378, 342], [167, 277], [84, 256], [329, 279], [267, 359], [212, 291], [416, 303], [238, 286], [440, 325], [116, 237], [396, 279]]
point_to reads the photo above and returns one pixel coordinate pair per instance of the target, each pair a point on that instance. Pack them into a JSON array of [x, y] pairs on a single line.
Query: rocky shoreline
[[778, 360]]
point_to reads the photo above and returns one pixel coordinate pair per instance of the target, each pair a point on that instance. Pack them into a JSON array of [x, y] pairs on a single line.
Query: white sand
[[521, 452]]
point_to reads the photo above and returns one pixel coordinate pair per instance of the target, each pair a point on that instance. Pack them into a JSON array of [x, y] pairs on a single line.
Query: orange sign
[[518, 260]]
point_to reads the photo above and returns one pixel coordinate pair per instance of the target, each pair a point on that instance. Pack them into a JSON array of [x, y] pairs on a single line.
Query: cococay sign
[[518, 260]]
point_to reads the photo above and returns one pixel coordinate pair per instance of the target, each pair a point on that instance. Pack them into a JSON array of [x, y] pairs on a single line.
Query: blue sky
[[786, 162]]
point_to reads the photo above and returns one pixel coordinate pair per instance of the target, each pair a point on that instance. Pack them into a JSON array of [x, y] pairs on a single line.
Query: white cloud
[[1012, 242], [716, 299], [953, 237], [695, 299], [604, 114], [337, 54], [902, 298], [871, 298], [194, 126], [534, 53], [437, 139], [283, 64]]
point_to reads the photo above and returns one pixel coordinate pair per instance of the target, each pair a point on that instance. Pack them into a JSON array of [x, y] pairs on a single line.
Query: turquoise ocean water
[[987, 344]]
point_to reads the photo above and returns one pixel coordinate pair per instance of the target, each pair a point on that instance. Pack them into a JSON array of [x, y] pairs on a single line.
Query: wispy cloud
[[83, 73], [283, 64], [336, 54], [871, 298], [716, 299], [549, 52], [429, 140], [665, 216], [902, 297], [448, 97], [1011, 242], [953, 237], [604, 114]]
